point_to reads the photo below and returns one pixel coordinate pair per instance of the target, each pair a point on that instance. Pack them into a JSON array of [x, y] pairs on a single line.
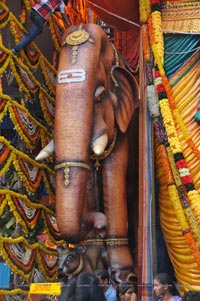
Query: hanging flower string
[[164, 90], [168, 137], [55, 37], [176, 114], [30, 173], [16, 28], [175, 146], [163, 87], [22, 16], [165, 97], [144, 9], [7, 248], [162, 84], [16, 111], [177, 192], [13, 199], [14, 292], [154, 21], [13, 156], [157, 29]]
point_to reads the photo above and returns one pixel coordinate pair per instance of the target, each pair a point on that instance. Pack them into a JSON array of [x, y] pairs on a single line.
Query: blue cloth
[[175, 298], [35, 30], [4, 276], [110, 293]]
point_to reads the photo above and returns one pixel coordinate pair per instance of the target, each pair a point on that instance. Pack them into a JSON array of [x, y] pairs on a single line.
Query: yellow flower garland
[[52, 31], [12, 154], [158, 35], [14, 292], [144, 9], [157, 46], [3, 205], [24, 156]]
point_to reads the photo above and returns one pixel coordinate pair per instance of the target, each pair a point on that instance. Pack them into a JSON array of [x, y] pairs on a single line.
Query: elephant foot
[[119, 255]]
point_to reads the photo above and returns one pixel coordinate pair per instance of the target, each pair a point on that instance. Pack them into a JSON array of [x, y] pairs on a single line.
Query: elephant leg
[[115, 206]]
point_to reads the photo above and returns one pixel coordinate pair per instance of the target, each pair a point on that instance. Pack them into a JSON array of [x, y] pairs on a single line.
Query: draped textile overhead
[[124, 15]]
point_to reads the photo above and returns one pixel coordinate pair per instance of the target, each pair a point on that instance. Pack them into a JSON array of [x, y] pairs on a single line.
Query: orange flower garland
[[167, 104]]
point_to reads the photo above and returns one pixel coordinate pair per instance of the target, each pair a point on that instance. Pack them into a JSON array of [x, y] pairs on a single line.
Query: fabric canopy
[[124, 15]]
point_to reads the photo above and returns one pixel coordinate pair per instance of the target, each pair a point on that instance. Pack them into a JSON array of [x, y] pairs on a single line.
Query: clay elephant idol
[[96, 98]]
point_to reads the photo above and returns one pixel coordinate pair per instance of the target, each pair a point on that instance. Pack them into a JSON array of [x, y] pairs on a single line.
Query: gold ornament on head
[[76, 38]]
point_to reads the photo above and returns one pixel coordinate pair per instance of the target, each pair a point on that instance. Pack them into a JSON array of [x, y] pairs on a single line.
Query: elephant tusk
[[46, 152], [99, 145]]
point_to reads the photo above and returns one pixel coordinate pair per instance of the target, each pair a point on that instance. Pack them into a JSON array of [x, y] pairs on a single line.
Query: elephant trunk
[[71, 145], [69, 218], [72, 135]]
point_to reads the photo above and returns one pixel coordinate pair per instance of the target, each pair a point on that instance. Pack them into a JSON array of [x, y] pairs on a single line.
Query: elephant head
[[95, 101]]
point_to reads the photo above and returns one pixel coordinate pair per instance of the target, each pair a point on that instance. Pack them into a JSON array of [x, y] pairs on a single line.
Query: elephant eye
[[100, 94]]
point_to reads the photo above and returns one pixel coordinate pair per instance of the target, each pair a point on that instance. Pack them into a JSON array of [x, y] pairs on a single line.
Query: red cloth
[[127, 43], [122, 14], [46, 9]]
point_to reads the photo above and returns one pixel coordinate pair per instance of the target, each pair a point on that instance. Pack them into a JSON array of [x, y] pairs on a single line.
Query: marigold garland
[[8, 105], [3, 205], [30, 140], [167, 104], [172, 135], [42, 61], [10, 155], [16, 214], [4, 64], [55, 37], [48, 276], [48, 185], [37, 250], [183, 197], [145, 43], [144, 9], [33, 58], [14, 292], [48, 106], [8, 161], [158, 35], [4, 16], [49, 70], [10, 194], [53, 232], [13, 159]]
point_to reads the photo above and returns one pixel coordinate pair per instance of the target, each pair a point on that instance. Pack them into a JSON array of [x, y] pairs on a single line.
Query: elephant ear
[[127, 92]]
